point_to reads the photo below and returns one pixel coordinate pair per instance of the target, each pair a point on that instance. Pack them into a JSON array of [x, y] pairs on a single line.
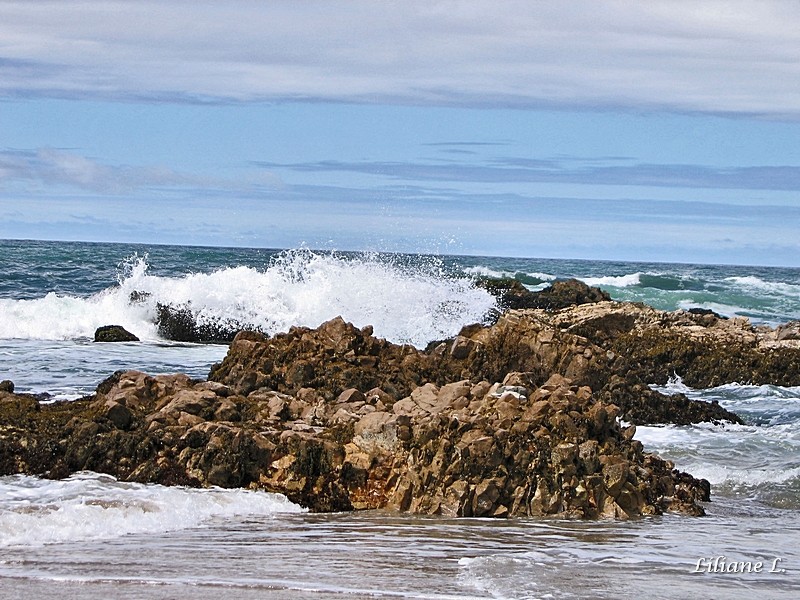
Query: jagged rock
[[788, 331], [330, 359], [337, 356], [562, 293], [523, 420], [461, 450], [509, 292], [705, 312], [114, 333], [137, 297], [569, 292], [118, 414], [6, 386]]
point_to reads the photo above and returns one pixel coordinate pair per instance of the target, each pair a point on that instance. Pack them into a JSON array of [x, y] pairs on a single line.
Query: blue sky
[[665, 131]]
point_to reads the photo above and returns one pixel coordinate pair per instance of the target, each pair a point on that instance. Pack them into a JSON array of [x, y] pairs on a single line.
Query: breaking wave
[[405, 302], [90, 506]]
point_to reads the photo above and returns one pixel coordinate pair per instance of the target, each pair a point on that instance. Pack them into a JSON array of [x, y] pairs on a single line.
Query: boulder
[[788, 331], [182, 323], [114, 333], [569, 292], [562, 293]]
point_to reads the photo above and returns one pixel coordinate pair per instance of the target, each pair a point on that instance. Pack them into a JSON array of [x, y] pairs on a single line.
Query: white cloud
[[714, 56], [57, 167]]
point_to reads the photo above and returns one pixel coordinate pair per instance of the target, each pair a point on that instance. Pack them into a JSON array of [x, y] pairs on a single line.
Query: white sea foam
[[614, 281], [404, 304], [88, 506], [764, 406], [762, 452], [726, 310], [56, 317], [482, 271], [771, 287], [739, 455]]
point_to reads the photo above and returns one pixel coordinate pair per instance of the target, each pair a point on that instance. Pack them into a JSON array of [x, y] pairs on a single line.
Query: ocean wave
[[762, 406], [530, 279], [89, 506], [736, 456], [613, 280], [662, 282], [776, 288], [743, 478], [672, 283], [405, 303]]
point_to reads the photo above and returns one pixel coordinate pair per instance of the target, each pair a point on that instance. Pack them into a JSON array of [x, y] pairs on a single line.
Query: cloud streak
[[524, 170], [713, 57], [54, 168]]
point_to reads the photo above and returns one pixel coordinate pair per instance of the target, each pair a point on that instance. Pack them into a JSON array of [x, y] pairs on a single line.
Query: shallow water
[[69, 369], [378, 555]]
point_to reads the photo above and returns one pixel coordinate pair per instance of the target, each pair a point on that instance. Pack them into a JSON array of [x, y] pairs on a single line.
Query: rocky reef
[[532, 415], [461, 449]]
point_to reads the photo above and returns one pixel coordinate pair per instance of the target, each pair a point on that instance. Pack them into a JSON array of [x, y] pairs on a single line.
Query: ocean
[[91, 536]]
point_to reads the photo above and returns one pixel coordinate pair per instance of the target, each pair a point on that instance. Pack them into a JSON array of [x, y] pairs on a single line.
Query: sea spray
[[406, 303]]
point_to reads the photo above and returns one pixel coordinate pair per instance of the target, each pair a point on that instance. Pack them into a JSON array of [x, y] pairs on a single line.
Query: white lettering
[[701, 565], [775, 568], [720, 564]]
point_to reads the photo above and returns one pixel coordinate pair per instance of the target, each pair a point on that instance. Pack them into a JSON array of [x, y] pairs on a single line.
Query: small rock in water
[[114, 333]]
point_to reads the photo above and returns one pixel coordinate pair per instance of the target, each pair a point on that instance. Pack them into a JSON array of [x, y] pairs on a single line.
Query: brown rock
[[119, 415]]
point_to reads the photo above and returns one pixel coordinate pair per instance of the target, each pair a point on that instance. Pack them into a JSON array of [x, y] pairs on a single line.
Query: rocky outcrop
[[524, 417], [538, 343], [705, 350], [114, 333], [331, 358], [562, 293], [463, 448], [788, 331]]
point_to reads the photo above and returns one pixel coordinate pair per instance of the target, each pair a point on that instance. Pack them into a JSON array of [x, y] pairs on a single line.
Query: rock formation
[[182, 323], [537, 343], [562, 293], [523, 417], [461, 449], [114, 333]]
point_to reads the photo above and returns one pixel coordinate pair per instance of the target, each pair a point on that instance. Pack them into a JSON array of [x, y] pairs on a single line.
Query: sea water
[[91, 536]]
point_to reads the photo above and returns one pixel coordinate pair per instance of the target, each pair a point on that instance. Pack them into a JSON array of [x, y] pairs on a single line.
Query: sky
[[654, 131]]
